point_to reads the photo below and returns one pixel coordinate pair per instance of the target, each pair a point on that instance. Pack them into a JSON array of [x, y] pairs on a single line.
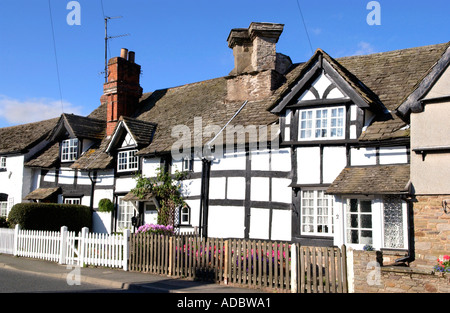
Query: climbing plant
[[166, 189]]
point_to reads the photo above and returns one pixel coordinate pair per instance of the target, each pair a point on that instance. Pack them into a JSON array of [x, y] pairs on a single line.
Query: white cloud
[[32, 110], [365, 48]]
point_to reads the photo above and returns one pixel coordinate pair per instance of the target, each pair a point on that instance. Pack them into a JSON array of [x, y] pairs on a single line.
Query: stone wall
[[368, 275], [431, 230]]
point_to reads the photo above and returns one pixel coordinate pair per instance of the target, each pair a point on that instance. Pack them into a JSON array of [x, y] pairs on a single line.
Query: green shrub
[[105, 205], [50, 216]]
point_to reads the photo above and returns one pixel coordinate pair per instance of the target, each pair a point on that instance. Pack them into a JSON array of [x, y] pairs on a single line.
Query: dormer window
[[322, 123], [127, 161], [69, 150]]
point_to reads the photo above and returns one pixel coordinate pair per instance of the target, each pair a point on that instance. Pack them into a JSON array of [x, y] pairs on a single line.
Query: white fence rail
[[7, 240], [71, 248]]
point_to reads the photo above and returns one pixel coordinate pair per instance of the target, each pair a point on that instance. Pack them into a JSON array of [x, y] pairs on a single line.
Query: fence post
[[294, 268], [126, 248], [16, 239], [63, 245], [171, 255], [82, 246], [225, 263]]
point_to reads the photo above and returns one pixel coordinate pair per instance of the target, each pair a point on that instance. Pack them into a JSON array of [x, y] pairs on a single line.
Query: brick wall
[[367, 275]]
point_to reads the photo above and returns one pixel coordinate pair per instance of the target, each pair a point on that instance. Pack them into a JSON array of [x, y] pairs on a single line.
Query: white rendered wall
[[259, 223], [105, 178], [363, 156], [12, 179], [393, 155], [150, 166], [281, 192], [226, 222], [66, 176], [125, 184], [281, 225], [308, 168], [334, 161]]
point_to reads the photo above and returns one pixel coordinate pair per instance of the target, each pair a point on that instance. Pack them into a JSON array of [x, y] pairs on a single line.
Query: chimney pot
[[131, 56], [124, 53]]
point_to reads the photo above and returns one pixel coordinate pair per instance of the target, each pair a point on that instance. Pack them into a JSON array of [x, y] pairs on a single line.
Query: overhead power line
[[304, 25], [56, 56]]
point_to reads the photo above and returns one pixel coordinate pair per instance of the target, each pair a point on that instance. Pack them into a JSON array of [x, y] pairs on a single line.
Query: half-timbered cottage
[[312, 152], [18, 144]]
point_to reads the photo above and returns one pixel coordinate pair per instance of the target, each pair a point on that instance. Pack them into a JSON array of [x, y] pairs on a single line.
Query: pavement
[[116, 278]]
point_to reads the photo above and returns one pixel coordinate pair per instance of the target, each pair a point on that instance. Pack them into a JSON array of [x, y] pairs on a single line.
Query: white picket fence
[[7, 240], [71, 248]]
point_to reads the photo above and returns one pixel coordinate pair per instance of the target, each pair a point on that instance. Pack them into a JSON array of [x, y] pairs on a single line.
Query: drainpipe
[[204, 198], [410, 220], [93, 179], [206, 170]]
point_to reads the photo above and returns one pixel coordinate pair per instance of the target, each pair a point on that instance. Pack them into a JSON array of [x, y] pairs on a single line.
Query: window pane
[[359, 221], [366, 237], [393, 223], [316, 212], [353, 236], [366, 221], [366, 206]]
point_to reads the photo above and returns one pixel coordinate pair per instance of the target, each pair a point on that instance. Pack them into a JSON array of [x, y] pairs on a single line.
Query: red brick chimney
[[122, 91]]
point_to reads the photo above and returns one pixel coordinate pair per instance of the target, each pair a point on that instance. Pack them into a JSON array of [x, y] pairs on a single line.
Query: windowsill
[[127, 173]]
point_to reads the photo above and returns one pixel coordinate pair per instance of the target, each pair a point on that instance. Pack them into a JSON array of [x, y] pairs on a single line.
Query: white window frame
[[187, 164], [4, 208], [312, 208], [185, 212], [72, 200], [127, 161], [3, 163], [125, 211], [311, 124], [69, 150], [359, 214], [404, 210], [378, 223]]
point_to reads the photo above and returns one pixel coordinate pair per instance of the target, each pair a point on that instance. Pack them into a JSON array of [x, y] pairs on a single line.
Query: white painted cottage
[[311, 152]]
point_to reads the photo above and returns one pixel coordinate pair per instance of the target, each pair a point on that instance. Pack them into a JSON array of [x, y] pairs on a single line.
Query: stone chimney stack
[[122, 91], [258, 68]]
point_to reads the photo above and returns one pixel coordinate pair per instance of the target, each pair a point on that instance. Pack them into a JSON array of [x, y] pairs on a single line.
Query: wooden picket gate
[[322, 270], [253, 263]]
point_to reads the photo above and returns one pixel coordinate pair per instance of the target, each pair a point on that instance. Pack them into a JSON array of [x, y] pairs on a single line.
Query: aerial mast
[[107, 18]]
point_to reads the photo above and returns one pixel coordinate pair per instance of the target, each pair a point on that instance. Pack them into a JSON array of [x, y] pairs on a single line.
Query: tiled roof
[[204, 101], [142, 131], [80, 126], [46, 158], [19, 138], [389, 76], [42, 193], [376, 179], [95, 158]]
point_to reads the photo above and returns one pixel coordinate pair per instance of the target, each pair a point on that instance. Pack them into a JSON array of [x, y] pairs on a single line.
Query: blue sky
[[179, 42]]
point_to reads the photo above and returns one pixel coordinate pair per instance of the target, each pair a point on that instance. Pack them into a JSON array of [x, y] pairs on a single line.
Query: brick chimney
[[258, 68], [122, 91]]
